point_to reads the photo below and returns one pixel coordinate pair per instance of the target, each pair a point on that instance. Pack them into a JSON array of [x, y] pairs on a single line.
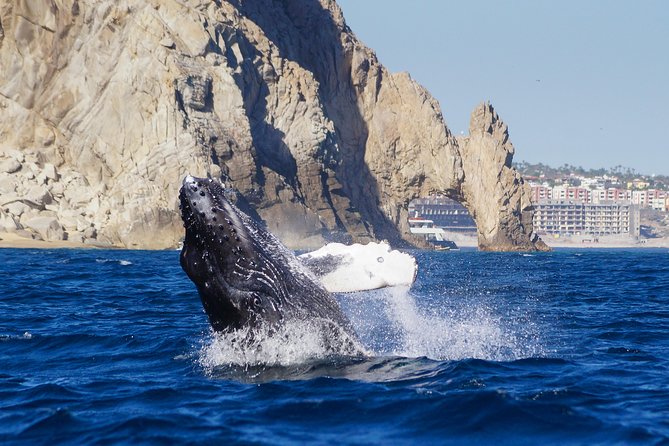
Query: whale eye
[[379, 259], [256, 301]]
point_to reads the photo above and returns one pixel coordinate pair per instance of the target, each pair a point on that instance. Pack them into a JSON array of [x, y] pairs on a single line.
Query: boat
[[434, 235]]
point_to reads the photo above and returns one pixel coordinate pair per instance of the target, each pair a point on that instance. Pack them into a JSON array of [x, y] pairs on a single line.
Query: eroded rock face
[[110, 103], [494, 192]]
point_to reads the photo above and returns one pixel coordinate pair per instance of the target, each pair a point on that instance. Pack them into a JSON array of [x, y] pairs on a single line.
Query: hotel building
[[579, 218]]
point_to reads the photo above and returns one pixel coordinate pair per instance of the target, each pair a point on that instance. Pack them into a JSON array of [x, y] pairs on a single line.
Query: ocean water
[[568, 347]]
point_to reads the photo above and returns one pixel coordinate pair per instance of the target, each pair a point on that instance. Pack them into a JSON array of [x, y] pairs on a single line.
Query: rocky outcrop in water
[[495, 193], [105, 105]]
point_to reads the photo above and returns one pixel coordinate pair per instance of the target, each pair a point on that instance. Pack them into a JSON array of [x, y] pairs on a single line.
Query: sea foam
[[294, 342]]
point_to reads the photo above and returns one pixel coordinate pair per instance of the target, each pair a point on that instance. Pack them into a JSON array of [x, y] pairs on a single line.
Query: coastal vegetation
[[617, 176]]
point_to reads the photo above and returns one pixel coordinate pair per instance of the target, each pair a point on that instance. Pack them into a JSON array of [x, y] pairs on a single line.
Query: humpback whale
[[244, 275]]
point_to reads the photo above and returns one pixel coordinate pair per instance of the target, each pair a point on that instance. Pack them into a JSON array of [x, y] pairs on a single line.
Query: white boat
[[434, 235]]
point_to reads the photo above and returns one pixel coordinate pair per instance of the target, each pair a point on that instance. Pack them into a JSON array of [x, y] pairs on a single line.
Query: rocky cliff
[[105, 105]]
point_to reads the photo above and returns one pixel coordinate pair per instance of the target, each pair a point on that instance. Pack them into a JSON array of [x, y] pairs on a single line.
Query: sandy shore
[[650, 243], [605, 242], [9, 240]]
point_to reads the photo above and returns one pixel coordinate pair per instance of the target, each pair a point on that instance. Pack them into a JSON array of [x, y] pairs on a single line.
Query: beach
[[607, 243], [12, 240]]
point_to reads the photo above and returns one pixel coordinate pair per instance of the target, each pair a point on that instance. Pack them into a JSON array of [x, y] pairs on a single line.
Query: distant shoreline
[[10, 240], [13, 241], [609, 244]]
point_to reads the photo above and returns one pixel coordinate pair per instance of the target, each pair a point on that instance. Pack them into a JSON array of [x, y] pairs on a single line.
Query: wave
[[94, 353], [116, 261], [26, 335]]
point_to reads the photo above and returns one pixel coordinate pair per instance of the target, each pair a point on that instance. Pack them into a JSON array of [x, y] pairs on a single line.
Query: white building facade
[[568, 218]]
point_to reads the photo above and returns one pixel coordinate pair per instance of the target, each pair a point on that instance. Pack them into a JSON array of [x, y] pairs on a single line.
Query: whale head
[[230, 258]]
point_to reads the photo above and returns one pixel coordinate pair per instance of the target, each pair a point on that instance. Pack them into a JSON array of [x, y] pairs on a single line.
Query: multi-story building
[[611, 194], [571, 193], [541, 192], [641, 198], [644, 198], [444, 212], [578, 218], [659, 204]]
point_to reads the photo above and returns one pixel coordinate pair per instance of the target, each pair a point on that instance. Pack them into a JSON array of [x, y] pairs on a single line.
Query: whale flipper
[[348, 268]]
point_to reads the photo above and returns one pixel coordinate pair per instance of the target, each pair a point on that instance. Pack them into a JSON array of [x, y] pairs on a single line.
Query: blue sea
[[567, 347]]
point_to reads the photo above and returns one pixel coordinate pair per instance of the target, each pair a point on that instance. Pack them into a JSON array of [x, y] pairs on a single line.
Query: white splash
[[385, 316], [390, 323], [296, 342]]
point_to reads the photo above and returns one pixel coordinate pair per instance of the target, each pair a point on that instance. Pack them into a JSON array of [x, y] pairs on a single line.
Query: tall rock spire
[[493, 190]]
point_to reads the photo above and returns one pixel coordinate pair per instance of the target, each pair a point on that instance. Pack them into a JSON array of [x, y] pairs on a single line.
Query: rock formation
[[496, 195], [105, 105]]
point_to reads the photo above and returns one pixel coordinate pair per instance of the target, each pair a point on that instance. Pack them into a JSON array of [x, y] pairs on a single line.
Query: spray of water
[[389, 322], [442, 332], [295, 342]]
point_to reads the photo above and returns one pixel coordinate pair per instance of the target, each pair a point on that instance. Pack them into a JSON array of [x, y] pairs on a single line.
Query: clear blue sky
[[578, 82]]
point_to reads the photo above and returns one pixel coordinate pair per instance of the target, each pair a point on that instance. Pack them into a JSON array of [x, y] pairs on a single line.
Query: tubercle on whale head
[[208, 216], [222, 257]]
